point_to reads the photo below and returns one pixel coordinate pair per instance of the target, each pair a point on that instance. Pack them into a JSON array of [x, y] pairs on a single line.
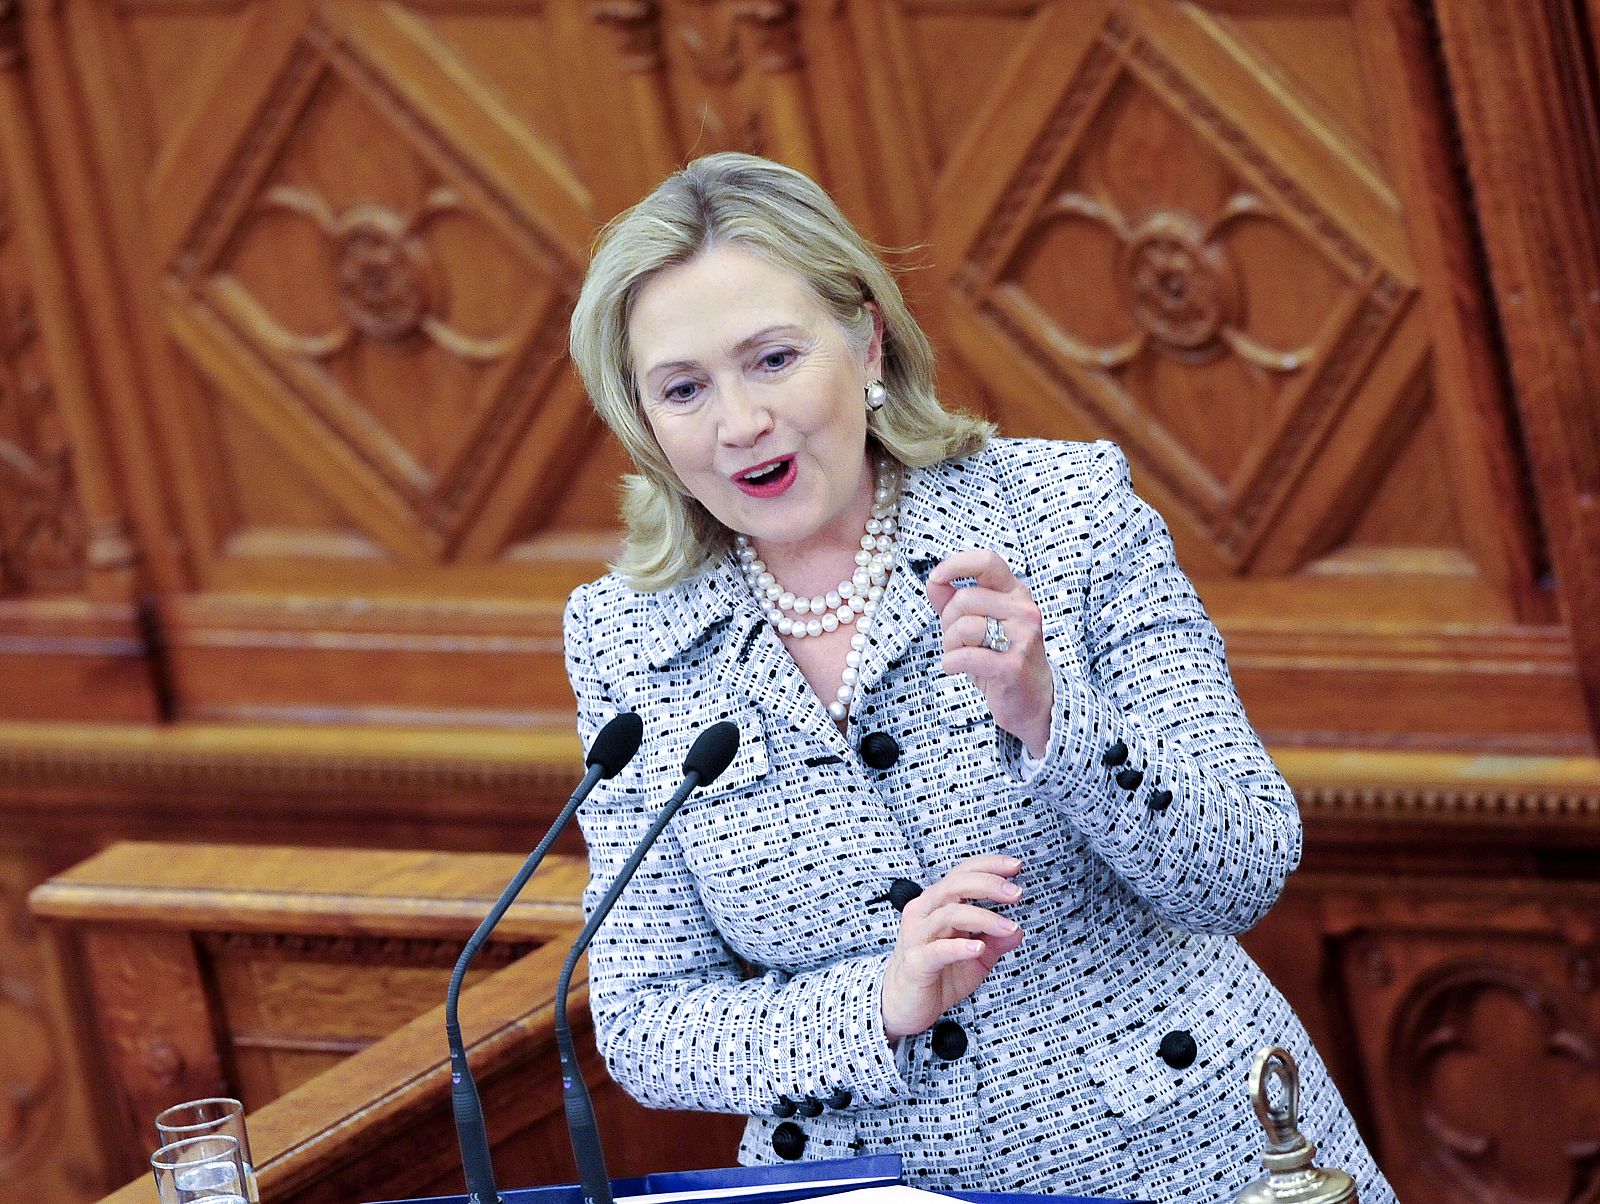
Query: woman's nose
[[744, 417]]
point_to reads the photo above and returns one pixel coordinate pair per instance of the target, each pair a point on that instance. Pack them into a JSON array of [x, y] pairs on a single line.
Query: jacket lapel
[[947, 508], [750, 667]]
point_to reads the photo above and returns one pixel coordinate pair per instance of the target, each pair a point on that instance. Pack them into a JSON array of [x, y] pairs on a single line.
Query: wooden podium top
[[210, 887], [328, 931]]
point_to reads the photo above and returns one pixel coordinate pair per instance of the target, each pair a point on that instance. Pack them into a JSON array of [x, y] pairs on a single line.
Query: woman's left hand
[[1017, 683]]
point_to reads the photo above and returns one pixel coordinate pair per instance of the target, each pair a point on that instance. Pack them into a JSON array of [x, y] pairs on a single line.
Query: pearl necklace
[[854, 601]]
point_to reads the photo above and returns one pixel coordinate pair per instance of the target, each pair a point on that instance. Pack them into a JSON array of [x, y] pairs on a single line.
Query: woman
[[965, 891]]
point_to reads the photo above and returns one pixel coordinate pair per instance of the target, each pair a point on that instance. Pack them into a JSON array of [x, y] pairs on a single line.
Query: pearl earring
[[876, 394]]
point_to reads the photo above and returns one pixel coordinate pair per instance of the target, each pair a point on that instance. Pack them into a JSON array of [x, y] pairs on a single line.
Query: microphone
[[710, 754], [612, 749]]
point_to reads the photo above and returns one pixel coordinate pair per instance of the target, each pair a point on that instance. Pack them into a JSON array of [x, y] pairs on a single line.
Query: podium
[[762, 1185]]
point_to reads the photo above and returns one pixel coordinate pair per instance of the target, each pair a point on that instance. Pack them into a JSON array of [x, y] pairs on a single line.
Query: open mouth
[[767, 480]]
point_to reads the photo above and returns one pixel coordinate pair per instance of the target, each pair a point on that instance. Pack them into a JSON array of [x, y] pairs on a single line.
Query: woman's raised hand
[[1015, 677], [948, 944]]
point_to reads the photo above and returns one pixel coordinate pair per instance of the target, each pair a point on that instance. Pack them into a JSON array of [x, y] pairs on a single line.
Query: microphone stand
[[612, 749], [470, 1131], [712, 752]]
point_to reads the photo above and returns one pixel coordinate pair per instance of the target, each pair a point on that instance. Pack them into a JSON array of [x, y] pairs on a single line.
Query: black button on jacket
[[949, 1040], [901, 892], [1177, 1049], [789, 1141], [879, 750]]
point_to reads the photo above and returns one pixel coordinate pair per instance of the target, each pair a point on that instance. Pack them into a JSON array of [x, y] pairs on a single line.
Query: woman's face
[[754, 393]]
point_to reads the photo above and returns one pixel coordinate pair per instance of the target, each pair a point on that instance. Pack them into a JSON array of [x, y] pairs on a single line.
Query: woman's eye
[[774, 360], [682, 391]]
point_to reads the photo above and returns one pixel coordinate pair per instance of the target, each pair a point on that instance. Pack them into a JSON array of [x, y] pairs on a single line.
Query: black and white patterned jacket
[[1109, 1053]]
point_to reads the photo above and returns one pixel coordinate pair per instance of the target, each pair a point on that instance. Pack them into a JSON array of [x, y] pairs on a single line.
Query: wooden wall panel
[[1158, 238], [68, 622], [1231, 235], [1534, 163], [1439, 1022], [378, 274], [1477, 1061], [1439, 942]]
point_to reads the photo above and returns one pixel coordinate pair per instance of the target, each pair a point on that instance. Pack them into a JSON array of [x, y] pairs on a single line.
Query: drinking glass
[[199, 1168], [214, 1117]]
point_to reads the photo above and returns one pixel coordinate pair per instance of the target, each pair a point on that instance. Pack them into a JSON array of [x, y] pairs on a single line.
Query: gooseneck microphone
[[612, 749], [713, 749]]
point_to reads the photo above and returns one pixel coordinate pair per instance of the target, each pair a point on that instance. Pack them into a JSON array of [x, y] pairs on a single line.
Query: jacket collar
[[684, 612], [748, 664]]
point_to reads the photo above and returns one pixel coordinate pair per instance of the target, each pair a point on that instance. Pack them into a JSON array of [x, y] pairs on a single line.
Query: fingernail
[[1012, 889]]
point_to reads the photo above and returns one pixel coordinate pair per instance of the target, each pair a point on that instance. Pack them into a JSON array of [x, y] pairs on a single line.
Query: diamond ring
[[994, 636]]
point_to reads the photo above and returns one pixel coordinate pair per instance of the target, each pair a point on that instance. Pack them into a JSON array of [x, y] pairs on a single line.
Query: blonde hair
[[781, 214]]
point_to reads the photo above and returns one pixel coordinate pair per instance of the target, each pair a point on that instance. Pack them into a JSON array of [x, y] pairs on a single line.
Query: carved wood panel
[[1165, 237], [1482, 1055], [67, 623], [43, 532], [1228, 235], [1542, 262], [363, 261], [1440, 945]]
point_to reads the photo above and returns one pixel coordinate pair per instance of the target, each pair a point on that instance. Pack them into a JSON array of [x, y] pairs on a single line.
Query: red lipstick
[[767, 487]]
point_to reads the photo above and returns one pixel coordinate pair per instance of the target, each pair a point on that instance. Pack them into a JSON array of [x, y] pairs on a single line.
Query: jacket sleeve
[[677, 1019], [1157, 707]]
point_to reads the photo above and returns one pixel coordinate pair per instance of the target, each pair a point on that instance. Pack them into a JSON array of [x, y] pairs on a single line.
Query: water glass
[[214, 1117], [199, 1169]]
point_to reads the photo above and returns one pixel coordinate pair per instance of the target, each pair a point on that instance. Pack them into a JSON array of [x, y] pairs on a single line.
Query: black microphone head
[[712, 750], [615, 745]]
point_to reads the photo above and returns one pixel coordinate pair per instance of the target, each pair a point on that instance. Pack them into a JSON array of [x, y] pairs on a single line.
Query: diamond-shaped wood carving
[[1182, 291], [370, 284]]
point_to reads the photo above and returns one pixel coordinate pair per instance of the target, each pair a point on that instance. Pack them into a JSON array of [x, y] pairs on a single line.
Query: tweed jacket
[[741, 969]]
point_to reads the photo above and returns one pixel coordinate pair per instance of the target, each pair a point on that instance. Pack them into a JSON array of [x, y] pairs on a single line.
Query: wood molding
[[82, 660], [362, 950], [247, 759], [1329, 783], [1543, 802], [439, 661]]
